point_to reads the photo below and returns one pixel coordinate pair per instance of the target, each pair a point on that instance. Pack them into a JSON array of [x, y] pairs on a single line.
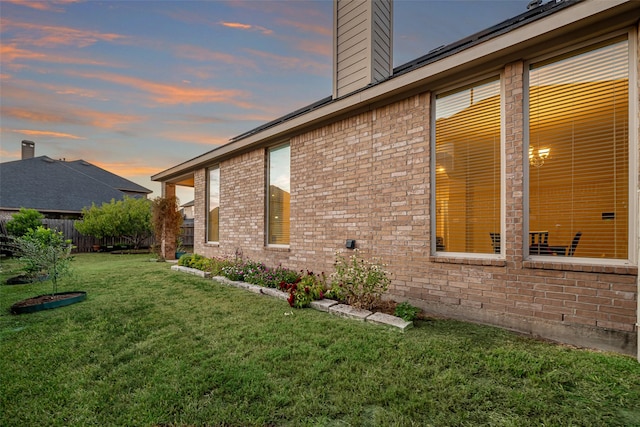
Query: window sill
[[581, 267], [458, 259], [277, 248], [212, 245]]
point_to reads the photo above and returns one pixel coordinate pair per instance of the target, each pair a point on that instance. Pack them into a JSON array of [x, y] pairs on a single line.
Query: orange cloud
[[293, 63], [48, 134], [198, 138], [206, 55], [308, 28], [50, 35], [320, 48], [10, 54], [249, 27], [171, 94], [73, 116], [49, 6], [126, 168]]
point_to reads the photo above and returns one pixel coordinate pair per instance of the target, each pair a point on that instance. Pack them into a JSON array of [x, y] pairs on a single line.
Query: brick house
[[497, 176]]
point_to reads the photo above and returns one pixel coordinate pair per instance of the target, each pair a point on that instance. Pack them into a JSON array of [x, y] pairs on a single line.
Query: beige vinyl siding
[[363, 44]]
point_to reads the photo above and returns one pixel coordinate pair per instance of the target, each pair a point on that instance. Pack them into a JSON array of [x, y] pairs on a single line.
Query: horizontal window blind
[[579, 152], [467, 128], [213, 219], [278, 195]]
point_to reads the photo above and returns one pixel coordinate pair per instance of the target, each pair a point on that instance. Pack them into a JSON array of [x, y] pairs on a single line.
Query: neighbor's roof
[[49, 185]]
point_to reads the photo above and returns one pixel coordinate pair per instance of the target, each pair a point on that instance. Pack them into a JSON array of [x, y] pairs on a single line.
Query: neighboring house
[[58, 188], [497, 176], [187, 210]]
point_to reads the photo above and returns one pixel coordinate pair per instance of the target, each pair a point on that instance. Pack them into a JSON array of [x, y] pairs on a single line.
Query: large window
[[278, 195], [467, 135], [213, 217], [579, 153]]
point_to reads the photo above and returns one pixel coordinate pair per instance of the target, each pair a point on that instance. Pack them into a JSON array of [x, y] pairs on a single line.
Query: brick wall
[[366, 177]]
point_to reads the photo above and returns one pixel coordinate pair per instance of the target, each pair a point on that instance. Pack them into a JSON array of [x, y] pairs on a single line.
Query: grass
[[152, 347]]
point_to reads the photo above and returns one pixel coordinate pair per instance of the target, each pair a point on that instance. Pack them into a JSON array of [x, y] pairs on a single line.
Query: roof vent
[[533, 4]]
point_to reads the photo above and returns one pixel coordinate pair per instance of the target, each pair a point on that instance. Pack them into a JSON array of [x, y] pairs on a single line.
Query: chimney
[[362, 44], [28, 149]]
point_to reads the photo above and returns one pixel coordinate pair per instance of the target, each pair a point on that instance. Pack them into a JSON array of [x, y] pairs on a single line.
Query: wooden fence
[[84, 243]]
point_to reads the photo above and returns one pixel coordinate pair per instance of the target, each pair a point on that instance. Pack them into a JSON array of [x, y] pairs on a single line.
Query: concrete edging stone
[[326, 305]]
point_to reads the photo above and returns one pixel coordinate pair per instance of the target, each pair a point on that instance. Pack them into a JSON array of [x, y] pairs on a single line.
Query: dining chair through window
[[495, 242], [574, 243]]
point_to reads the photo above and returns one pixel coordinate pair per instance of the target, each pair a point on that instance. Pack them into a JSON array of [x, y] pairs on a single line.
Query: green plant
[[362, 282], [308, 287], [406, 311], [23, 221], [129, 218], [239, 269], [45, 252], [200, 262], [272, 277]]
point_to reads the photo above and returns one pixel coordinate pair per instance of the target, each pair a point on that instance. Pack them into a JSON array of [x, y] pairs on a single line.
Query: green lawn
[[153, 347]]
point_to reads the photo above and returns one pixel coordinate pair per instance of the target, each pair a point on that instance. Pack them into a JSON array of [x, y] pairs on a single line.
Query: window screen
[[579, 153], [467, 133]]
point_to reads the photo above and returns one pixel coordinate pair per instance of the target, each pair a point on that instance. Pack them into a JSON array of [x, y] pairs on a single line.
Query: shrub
[[200, 262], [45, 252], [272, 277], [362, 282], [239, 269], [309, 287], [406, 311], [23, 221], [129, 218]]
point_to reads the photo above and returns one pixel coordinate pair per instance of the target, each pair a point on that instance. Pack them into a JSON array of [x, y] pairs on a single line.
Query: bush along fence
[[356, 282], [82, 243]]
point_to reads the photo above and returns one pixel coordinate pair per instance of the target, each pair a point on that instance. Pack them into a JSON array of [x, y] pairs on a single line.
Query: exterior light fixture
[[351, 244]]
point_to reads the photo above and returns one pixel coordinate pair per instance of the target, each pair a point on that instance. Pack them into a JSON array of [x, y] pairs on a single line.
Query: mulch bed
[[45, 298]]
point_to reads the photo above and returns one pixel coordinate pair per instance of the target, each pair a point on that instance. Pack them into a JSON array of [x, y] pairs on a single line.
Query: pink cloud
[[74, 116], [205, 55], [240, 26], [45, 133], [48, 6], [50, 35], [167, 94], [292, 63]]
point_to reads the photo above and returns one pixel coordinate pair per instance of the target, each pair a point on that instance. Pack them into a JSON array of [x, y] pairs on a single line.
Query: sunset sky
[[136, 87]]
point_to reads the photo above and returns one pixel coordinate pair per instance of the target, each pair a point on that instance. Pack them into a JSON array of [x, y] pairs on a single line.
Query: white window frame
[[503, 191], [268, 199], [632, 258], [208, 208]]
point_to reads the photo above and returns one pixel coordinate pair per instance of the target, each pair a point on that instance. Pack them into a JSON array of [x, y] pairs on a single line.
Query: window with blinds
[[579, 153], [278, 195], [467, 153], [213, 217]]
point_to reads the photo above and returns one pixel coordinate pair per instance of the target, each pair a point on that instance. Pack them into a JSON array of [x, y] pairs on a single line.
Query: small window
[[467, 169], [213, 217], [278, 195]]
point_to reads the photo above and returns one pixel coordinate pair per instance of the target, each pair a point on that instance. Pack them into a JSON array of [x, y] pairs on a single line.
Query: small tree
[[46, 252], [167, 221], [129, 218], [23, 221]]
